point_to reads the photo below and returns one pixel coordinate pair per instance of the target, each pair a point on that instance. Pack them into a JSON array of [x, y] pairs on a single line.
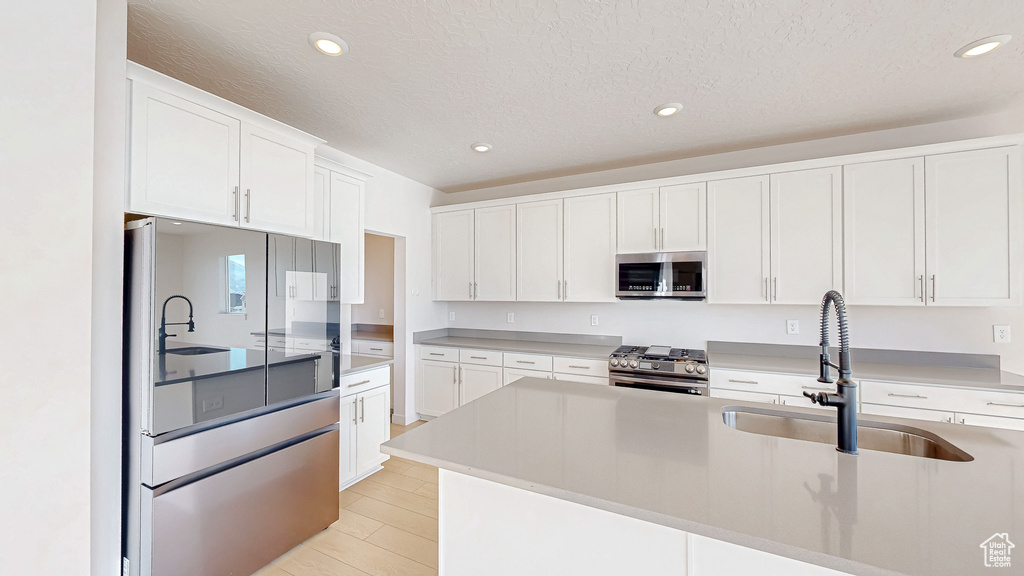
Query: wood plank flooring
[[387, 527]]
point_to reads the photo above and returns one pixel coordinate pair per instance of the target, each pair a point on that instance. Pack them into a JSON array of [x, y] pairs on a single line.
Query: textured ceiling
[[568, 86]]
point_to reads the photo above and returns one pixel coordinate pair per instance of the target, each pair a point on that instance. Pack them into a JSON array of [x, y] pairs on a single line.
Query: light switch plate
[[510, 317], [792, 326], [451, 316], [593, 320], [380, 313], [1001, 333]]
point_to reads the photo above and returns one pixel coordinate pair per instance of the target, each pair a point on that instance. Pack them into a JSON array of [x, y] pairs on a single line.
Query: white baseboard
[[403, 420]]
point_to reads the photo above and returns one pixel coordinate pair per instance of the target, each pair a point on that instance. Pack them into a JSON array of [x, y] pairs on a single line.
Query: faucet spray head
[[191, 325]]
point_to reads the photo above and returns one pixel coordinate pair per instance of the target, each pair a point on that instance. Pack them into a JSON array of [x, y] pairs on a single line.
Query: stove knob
[[633, 363], [614, 361], [690, 368], [702, 369], [655, 365]]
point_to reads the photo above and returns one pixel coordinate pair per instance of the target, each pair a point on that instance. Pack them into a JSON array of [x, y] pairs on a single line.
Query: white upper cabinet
[[972, 227], [638, 222], [453, 255], [883, 228], [184, 158], [321, 203], [806, 232], [347, 228], [683, 217], [739, 241], [495, 254], [539, 251], [197, 157], [589, 252]]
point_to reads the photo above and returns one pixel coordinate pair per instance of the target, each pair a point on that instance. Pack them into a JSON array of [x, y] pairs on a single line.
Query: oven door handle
[[677, 382]]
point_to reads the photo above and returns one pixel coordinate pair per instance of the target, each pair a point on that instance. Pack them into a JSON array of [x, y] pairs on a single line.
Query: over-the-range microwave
[[657, 275]]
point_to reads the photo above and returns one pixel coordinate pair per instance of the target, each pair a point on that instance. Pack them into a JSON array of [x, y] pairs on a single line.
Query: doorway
[[373, 321]]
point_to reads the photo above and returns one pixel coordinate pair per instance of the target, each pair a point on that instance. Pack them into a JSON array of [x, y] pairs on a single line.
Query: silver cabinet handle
[[248, 204], [933, 287], [767, 297], [948, 419], [377, 349], [655, 237], [362, 403], [580, 367], [895, 395], [478, 357], [359, 383], [470, 290], [559, 297], [355, 414], [775, 289], [436, 354], [963, 421], [566, 295], [1006, 405], [524, 362], [920, 280], [744, 381], [234, 195], [662, 238], [817, 388]]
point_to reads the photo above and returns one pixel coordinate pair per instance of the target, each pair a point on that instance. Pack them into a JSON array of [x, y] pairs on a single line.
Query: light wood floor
[[387, 527]]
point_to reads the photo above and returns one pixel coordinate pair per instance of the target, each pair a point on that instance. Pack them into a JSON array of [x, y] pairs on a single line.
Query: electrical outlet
[[451, 316], [593, 320], [213, 404], [380, 313], [792, 326], [510, 318], [1001, 333]]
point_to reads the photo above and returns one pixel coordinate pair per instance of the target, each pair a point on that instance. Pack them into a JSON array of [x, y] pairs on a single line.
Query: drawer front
[[597, 380], [528, 361], [312, 344], [375, 348], [363, 381], [901, 412], [788, 384], [277, 341], [746, 396], [581, 366], [481, 357], [439, 353], [987, 402]]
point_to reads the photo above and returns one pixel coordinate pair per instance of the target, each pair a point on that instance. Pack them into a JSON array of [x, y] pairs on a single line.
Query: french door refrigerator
[[231, 405]]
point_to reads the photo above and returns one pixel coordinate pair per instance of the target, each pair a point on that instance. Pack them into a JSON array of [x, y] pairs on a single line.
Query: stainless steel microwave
[[670, 275]]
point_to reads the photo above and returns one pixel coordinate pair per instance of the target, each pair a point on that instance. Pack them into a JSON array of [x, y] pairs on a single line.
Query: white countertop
[[669, 459]]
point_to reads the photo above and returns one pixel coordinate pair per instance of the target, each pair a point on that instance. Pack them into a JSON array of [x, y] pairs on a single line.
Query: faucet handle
[[812, 396]]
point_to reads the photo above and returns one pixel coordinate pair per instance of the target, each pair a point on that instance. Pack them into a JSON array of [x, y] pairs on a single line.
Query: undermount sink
[[195, 350], [880, 436]]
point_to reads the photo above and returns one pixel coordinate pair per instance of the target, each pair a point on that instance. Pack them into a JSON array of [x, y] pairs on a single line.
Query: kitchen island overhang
[[670, 461]]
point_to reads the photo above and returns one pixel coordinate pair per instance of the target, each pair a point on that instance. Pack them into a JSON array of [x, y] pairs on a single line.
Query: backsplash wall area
[[692, 324]]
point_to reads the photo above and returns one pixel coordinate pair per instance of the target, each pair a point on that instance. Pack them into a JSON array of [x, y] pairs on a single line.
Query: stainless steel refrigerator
[[231, 405]]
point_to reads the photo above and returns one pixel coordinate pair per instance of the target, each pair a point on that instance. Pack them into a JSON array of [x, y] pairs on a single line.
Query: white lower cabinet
[[902, 412], [744, 396], [513, 374], [597, 380], [438, 387], [365, 423], [477, 380]]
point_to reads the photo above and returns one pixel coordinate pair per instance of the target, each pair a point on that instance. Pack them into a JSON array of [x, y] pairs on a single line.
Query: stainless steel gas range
[[660, 368]]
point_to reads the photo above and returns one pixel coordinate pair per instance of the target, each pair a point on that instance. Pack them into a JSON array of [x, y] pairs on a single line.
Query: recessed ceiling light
[[328, 43], [481, 147], [666, 110], [176, 223], [983, 46]]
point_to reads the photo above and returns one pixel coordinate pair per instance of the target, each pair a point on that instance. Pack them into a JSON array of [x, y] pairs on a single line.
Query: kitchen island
[[554, 477]]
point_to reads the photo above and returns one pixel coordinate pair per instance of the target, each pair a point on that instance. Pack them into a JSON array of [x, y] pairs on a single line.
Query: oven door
[[679, 275], [665, 384]]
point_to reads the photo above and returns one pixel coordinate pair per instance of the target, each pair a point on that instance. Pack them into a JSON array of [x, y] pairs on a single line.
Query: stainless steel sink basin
[[881, 436], [195, 350]]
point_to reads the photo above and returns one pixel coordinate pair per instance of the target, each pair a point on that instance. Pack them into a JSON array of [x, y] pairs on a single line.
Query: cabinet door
[[438, 387], [374, 428], [539, 253], [589, 249], [806, 229], [973, 227], [184, 159], [638, 229], [347, 229], [277, 177], [510, 375], [495, 249], [990, 421], [304, 279], [321, 204], [901, 412], [325, 271], [683, 217], [883, 228], [348, 425], [453, 255], [282, 254], [478, 380], [738, 241], [743, 395]]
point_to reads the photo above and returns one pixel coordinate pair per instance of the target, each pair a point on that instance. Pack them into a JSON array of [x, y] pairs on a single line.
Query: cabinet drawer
[[374, 348], [598, 380], [788, 384], [482, 357], [311, 344], [277, 342], [988, 402], [362, 381], [901, 412], [746, 396], [581, 366], [528, 361], [439, 353]]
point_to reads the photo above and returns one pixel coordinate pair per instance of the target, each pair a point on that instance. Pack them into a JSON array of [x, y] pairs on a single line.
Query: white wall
[[47, 111], [400, 207], [378, 282]]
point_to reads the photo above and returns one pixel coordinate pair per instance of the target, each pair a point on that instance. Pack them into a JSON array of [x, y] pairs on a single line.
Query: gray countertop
[[669, 459], [375, 336], [174, 368], [594, 351], [354, 363], [935, 375]]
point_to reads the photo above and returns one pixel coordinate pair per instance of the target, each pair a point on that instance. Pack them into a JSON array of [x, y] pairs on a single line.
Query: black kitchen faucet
[[845, 398], [164, 324]]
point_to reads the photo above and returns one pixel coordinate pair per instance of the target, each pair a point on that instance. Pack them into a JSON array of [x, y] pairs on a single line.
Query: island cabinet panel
[[184, 158], [589, 249], [739, 265], [638, 221], [710, 557], [438, 387], [973, 227], [883, 227], [539, 251], [495, 254], [453, 255]]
